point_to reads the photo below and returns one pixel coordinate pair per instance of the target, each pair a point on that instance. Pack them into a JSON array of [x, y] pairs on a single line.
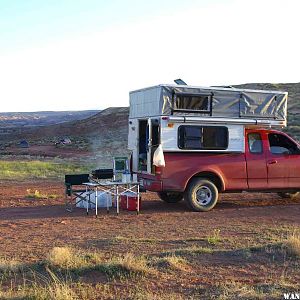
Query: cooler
[[129, 201]]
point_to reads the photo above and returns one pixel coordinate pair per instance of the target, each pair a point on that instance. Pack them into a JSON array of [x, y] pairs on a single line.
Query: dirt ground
[[30, 228]]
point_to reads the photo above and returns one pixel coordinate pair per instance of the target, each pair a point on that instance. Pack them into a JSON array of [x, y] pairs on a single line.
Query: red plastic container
[[129, 201]]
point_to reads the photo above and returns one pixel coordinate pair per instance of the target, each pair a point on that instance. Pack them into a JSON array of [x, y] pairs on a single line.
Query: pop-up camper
[[180, 132], [167, 115]]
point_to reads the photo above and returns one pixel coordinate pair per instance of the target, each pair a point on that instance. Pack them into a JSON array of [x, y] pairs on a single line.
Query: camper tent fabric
[[225, 102]]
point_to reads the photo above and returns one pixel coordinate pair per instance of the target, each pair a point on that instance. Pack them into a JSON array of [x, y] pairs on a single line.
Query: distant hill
[[41, 118], [102, 135], [98, 123]]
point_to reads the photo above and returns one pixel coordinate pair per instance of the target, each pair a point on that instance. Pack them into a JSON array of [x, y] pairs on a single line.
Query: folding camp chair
[[75, 192]]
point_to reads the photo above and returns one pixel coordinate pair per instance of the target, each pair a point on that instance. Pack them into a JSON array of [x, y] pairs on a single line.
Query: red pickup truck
[[270, 163]]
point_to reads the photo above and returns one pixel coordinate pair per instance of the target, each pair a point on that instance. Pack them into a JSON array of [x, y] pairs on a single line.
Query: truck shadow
[[38, 212], [226, 201]]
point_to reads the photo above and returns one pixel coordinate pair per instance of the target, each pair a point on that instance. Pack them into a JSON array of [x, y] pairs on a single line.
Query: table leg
[[96, 201], [117, 189], [115, 196], [87, 200], [138, 199], [107, 204]]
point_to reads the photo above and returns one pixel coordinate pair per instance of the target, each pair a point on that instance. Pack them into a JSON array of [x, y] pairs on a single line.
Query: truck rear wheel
[[201, 194], [170, 197], [289, 195]]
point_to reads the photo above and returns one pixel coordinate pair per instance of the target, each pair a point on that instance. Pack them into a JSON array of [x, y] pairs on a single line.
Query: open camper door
[[144, 146], [148, 140]]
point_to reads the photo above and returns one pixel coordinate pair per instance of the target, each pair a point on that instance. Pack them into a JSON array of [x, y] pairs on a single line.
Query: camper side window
[[202, 137], [185, 102]]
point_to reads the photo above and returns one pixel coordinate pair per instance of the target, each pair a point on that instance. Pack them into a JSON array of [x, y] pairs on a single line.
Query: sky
[[88, 54]]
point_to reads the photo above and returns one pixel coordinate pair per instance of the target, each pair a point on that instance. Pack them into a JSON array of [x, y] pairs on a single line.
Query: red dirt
[[34, 222], [30, 228]]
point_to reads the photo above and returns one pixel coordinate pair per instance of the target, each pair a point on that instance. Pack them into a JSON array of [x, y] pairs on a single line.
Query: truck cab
[[273, 160]]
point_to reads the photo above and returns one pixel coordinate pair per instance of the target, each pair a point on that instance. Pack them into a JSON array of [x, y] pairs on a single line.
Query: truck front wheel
[[201, 194], [170, 197]]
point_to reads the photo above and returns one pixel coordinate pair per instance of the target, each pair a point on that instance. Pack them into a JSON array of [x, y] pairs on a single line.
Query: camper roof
[[208, 102], [217, 88]]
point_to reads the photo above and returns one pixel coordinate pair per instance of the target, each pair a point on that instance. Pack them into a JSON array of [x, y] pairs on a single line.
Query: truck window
[[202, 137], [281, 144], [255, 143]]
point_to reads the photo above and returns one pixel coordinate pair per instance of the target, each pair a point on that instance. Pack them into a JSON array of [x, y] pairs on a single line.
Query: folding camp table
[[115, 189]]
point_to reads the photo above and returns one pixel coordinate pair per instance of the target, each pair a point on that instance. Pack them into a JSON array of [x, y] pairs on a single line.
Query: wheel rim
[[203, 195]]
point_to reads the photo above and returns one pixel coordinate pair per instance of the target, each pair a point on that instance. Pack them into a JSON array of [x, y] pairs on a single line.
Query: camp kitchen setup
[[104, 188], [177, 119]]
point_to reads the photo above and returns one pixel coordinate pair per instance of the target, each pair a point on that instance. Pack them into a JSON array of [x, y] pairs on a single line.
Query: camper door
[[148, 142]]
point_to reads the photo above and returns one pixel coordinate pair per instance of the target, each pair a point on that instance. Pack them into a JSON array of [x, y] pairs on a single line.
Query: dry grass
[[122, 239], [141, 294], [133, 277], [63, 257], [69, 258], [9, 265], [77, 261], [132, 263], [55, 289], [59, 289], [190, 251], [292, 244], [39, 195], [215, 238], [230, 290], [77, 291], [173, 262], [237, 290], [35, 194], [126, 265]]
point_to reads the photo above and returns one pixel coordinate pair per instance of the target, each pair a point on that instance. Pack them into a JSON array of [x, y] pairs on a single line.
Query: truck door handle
[[272, 162]]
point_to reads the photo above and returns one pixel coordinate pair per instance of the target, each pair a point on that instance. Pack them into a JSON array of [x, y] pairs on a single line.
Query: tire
[[201, 194], [170, 197], [289, 195]]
